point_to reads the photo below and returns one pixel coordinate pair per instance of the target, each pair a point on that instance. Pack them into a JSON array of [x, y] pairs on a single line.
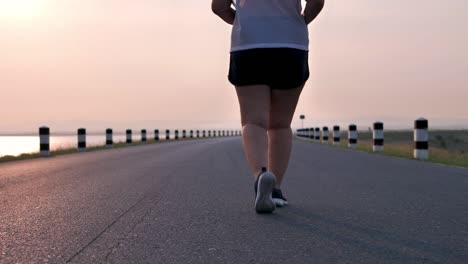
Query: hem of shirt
[[276, 45]]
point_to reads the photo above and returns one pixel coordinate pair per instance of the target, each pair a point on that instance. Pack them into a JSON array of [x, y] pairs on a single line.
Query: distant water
[[17, 145]]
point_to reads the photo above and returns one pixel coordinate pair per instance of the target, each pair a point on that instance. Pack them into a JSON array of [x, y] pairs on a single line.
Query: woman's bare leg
[[254, 101], [283, 106]]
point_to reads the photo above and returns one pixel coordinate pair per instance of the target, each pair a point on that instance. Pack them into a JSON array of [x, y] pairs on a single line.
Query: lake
[[16, 145]]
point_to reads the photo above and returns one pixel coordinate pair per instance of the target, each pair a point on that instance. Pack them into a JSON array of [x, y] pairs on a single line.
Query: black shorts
[[279, 68]]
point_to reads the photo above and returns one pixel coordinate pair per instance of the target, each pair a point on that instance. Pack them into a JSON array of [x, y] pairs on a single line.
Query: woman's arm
[[223, 9], [312, 10]]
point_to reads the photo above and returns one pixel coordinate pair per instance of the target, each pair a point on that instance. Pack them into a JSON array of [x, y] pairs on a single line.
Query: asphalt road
[[192, 202]]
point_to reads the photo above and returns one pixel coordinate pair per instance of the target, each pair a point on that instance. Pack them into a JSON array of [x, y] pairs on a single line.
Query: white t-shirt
[[269, 24]]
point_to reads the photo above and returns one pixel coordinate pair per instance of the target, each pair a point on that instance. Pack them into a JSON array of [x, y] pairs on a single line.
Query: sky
[[163, 64]]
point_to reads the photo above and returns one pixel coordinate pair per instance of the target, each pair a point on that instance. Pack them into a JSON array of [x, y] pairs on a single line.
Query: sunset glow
[[164, 64], [20, 9]]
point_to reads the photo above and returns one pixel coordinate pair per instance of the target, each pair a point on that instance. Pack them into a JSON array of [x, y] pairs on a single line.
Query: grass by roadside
[[64, 151], [445, 146]]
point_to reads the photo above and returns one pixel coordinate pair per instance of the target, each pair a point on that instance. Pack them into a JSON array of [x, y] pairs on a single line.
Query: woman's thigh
[[282, 107], [254, 102]]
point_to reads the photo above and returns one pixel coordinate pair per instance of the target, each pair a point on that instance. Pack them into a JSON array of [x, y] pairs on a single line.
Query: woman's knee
[[256, 122]]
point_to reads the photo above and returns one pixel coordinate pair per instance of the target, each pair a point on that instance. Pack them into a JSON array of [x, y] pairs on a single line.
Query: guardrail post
[[317, 134], [378, 136], [156, 135], [143, 136], [44, 141], [184, 135], [352, 136], [421, 139], [209, 133], [129, 136], [336, 135], [191, 133], [168, 134], [109, 140], [176, 136], [198, 133], [325, 135], [81, 139], [204, 133]]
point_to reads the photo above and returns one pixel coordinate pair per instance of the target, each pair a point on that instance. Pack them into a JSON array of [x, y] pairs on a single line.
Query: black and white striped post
[[176, 136], [421, 139], [209, 133], [156, 135], [109, 140], [129, 136], [352, 136], [378, 137], [310, 133], [184, 134], [198, 133], [191, 133], [325, 135], [336, 135], [317, 134], [81, 139], [168, 134], [143, 136], [44, 141], [204, 133]]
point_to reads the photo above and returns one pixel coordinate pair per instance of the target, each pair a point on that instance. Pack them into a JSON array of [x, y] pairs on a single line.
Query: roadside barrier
[[352, 136], [44, 141], [44, 137], [336, 135], [109, 140], [325, 135], [143, 136], [378, 137], [420, 136], [421, 139], [81, 139], [156, 134], [129, 136]]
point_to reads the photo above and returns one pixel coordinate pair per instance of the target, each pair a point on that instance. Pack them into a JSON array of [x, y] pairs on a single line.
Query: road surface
[[192, 202]]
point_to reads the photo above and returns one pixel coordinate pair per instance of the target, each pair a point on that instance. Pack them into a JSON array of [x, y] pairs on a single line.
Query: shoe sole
[[280, 202], [264, 202]]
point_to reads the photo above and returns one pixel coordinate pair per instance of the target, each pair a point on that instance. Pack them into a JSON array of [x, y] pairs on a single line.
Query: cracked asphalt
[[192, 202]]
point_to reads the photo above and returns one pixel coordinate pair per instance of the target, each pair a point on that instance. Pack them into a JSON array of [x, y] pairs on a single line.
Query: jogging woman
[[269, 67]]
